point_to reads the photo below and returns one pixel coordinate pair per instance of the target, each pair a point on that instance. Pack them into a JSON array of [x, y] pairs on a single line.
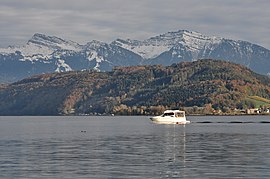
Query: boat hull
[[169, 120]]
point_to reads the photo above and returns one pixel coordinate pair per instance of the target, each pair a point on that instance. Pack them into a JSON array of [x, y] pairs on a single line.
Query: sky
[[106, 20]]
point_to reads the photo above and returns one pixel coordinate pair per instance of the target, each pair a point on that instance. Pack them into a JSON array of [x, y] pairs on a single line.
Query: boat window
[[168, 114], [179, 114]]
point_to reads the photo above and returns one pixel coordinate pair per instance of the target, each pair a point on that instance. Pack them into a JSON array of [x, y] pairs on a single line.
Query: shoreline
[[112, 115], [263, 114]]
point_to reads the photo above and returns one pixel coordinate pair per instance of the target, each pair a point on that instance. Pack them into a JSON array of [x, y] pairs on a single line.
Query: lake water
[[134, 147]]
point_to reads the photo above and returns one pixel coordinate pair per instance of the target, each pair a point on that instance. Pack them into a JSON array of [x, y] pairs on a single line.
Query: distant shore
[[227, 114]]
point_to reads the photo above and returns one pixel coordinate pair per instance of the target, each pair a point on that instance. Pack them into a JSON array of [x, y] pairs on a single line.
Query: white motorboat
[[171, 117]]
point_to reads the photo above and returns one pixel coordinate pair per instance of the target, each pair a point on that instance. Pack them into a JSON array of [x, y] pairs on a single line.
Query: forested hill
[[136, 90]]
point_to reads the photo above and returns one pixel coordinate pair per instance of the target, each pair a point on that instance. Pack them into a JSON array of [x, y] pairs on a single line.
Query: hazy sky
[[106, 20]]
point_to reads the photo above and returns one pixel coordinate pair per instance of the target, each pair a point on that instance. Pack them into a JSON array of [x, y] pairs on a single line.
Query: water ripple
[[134, 148]]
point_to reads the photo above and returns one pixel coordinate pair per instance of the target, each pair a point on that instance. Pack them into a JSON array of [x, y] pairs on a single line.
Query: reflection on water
[[133, 147]]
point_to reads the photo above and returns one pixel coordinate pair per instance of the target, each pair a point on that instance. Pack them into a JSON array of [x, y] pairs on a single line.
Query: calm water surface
[[133, 147]]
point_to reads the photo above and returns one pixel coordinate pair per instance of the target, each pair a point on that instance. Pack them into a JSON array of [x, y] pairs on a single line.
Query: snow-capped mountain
[[185, 45], [46, 54], [42, 45], [154, 46]]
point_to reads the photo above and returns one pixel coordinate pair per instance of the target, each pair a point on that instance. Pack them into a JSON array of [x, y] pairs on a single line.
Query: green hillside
[[212, 84], [258, 101]]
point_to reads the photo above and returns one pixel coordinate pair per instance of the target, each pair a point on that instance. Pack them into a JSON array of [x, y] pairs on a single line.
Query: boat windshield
[[179, 114], [168, 114]]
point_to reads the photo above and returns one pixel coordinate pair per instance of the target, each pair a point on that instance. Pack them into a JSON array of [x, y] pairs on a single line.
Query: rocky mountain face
[[212, 84], [47, 54], [183, 45]]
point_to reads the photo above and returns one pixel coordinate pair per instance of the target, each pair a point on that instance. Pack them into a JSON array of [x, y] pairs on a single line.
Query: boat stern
[[155, 118]]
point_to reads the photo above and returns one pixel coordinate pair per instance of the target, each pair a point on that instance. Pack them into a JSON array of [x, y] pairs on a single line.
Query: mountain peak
[[155, 46], [45, 40], [53, 42], [182, 35], [95, 44]]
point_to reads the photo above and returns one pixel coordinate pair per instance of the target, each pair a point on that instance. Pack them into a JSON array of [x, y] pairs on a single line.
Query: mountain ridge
[[53, 42], [46, 54]]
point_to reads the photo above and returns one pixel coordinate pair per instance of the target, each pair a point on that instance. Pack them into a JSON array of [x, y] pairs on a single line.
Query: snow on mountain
[[97, 53], [94, 45], [94, 56], [144, 49], [53, 42], [62, 66], [196, 42], [183, 45], [28, 50], [46, 54], [154, 46], [41, 47]]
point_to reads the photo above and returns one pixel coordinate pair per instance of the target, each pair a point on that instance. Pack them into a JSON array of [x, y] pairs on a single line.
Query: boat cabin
[[173, 113]]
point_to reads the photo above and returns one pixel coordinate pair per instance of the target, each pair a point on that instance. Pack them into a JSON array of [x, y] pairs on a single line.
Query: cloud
[[106, 20]]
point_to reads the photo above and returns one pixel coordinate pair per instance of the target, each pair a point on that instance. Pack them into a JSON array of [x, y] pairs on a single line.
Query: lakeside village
[[251, 111], [195, 110]]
